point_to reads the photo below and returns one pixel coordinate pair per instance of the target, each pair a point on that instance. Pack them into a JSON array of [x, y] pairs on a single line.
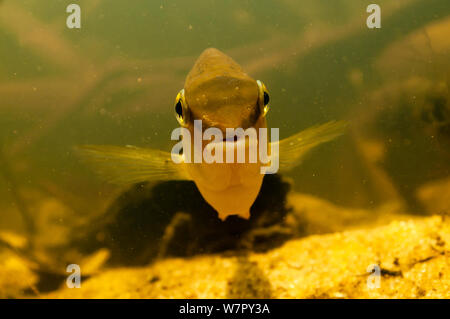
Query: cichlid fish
[[221, 95]]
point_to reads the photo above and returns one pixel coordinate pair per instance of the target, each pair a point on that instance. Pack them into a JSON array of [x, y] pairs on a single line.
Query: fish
[[217, 95]]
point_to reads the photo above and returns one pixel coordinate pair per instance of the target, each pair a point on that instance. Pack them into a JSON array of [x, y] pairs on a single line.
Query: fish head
[[220, 94]]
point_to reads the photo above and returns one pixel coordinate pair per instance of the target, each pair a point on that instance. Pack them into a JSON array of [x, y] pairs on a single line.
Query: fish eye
[[180, 108], [264, 98]]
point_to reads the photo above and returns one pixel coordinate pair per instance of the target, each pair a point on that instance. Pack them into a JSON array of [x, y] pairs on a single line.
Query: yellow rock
[[413, 257]]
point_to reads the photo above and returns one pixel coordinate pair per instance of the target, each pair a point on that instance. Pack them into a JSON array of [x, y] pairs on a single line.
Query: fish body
[[220, 96]]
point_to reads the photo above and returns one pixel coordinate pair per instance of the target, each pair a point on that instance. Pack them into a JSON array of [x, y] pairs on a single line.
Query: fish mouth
[[232, 143], [230, 139]]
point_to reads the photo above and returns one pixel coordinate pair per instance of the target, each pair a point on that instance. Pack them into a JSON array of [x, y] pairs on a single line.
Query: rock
[[16, 277], [413, 257], [435, 196], [315, 215]]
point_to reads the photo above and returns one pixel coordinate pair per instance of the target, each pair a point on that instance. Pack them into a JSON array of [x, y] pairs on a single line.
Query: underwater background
[[114, 81]]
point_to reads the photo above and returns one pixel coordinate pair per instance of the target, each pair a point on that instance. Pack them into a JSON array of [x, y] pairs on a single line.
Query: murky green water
[[114, 82]]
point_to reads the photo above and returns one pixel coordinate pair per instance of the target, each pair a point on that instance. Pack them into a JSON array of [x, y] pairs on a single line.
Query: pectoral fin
[[292, 149], [129, 165]]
